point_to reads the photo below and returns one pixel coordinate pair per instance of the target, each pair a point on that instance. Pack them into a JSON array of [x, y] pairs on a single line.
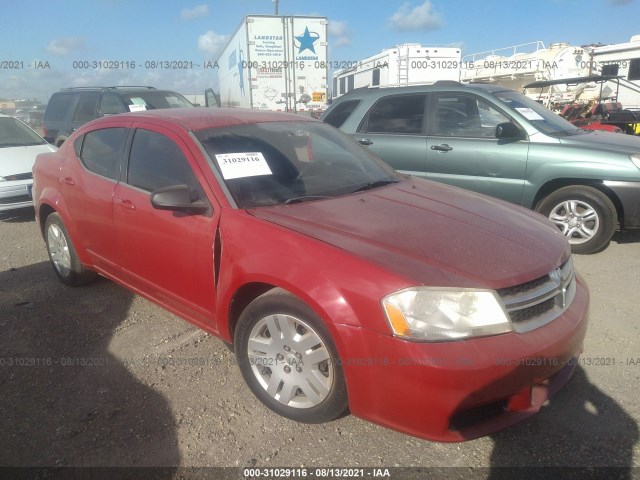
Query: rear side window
[[402, 114], [339, 114], [86, 109], [157, 162], [111, 104], [102, 150], [58, 106]]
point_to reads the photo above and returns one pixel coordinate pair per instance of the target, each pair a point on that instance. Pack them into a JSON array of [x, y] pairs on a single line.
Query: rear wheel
[[288, 359], [64, 259], [585, 215]]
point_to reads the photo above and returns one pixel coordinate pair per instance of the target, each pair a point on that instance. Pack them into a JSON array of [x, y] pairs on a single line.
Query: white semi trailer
[[275, 63]]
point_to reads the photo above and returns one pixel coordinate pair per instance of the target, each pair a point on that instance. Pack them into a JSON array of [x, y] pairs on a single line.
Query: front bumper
[[629, 195], [15, 194], [455, 391]]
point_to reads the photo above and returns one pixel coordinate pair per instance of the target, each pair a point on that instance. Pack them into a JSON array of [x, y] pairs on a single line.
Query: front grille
[[19, 176], [537, 302]]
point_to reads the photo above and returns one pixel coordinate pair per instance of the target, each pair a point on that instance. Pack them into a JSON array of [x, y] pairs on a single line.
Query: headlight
[[635, 159], [435, 315]]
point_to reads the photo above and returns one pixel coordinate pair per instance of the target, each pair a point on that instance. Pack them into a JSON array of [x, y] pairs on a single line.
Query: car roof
[[446, 86], [201, 118]]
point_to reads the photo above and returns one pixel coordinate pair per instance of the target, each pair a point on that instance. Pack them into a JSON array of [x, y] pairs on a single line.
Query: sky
[[44, 44]]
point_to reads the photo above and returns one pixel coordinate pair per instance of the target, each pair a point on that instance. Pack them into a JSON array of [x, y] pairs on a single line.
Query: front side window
[[400, 114], [284, 162], [460, 115], [156, 162], [102, 150]]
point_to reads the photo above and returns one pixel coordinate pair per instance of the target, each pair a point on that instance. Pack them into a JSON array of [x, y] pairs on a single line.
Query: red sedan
[[339, 282]]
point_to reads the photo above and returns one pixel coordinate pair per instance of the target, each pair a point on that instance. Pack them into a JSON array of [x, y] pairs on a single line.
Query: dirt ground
[[97, 376]]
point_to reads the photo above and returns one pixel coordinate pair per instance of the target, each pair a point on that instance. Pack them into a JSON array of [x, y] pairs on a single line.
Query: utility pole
[[276, 5]]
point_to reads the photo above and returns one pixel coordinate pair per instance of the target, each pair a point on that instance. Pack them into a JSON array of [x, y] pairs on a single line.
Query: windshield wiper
[[304, 198], [374, 184]]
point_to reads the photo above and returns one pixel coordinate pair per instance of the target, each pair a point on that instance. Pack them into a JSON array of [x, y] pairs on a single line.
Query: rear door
[[462, 148], [87, 184], [165, 254], [394, 129]]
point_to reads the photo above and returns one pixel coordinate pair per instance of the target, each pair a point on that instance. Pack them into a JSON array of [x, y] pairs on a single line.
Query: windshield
[[287, 162], [14, 133], [151, 100], [540, 117]]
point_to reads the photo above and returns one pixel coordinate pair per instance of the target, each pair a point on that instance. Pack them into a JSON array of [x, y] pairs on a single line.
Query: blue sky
[[60, 32]]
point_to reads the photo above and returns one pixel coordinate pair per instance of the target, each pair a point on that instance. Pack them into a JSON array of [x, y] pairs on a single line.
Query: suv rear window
[[341, 112], [59, 106]]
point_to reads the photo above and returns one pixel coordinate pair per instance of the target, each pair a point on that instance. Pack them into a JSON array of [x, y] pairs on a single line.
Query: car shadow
[[65, 400], [628, 236], [580, 433], [20, 215]]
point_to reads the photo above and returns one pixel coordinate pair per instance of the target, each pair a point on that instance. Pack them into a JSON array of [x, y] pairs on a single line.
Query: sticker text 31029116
[[245, 164]]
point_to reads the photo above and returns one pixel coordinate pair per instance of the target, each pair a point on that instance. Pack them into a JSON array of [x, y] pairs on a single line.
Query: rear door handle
[[441, 148], [67, 181], [365, 141], [128, 204]]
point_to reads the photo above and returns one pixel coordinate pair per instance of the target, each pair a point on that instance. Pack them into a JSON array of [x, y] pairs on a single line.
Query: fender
[[54, 199]]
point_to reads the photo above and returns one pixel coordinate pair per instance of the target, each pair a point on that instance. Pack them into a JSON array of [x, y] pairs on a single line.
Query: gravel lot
[[152, 390]]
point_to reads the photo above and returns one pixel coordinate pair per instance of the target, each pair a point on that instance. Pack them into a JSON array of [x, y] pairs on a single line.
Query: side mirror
[[508, 131], [178, 198]]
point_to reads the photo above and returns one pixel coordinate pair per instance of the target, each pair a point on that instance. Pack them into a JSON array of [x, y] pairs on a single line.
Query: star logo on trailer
[[307, 40]]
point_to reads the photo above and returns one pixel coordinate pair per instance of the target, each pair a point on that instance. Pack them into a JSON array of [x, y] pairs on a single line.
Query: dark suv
[[501, 143], [70, 108]]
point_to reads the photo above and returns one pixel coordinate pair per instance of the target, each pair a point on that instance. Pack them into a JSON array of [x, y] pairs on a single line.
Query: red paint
[[340, 256]]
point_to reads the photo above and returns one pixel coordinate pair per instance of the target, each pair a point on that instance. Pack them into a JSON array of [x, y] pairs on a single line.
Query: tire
[[64, 259], [287, 358], [585, 215]]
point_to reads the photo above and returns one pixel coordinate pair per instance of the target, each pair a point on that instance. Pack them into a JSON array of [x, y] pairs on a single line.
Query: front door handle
[[128, 204], [441, 148], [365, 141]]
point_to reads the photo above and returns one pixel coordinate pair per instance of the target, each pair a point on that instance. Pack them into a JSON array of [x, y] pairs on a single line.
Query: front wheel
[[585, 215], [64, 259], [287, 358]]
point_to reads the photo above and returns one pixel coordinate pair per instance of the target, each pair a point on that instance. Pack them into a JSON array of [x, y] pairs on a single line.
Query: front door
[[462, 148], [166, 254]]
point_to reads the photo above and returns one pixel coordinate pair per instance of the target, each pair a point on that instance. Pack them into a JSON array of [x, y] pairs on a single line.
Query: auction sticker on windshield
[[240, 165], [529, 113]]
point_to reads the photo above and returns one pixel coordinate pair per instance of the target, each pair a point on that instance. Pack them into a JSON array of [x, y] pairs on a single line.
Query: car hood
[[15, 160], [432, 234], [596, 139]]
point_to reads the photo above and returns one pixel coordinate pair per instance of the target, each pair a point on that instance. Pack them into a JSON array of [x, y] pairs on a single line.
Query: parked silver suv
[[501, 143]]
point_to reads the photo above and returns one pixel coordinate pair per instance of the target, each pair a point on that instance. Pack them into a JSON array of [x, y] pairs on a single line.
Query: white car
[[19, 146]]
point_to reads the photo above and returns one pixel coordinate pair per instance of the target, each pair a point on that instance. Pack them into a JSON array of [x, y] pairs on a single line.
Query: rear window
[[339, 114], [102, 150]]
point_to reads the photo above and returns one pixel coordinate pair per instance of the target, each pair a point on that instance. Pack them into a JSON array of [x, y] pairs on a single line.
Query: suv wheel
[[287, 358], [585, 215]]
